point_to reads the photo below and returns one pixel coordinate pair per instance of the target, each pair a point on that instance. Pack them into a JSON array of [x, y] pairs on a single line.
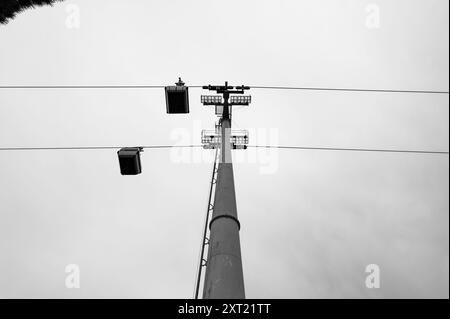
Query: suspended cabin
[[130, 160], [177, 98]]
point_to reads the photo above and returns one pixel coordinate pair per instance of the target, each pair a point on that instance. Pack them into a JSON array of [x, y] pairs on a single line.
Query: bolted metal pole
[[224, 277]]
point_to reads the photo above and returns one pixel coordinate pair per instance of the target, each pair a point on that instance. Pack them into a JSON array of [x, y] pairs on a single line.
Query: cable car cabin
[[130, 160], [177, 99]]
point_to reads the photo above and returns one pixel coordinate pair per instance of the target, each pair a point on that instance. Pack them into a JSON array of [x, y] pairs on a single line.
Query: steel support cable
[[254, 146], [91, 147], [42, 87], [352, 149], [348, 89], [56, 87]]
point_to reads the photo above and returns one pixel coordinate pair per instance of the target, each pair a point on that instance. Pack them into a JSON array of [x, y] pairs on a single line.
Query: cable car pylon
[[224, 278]]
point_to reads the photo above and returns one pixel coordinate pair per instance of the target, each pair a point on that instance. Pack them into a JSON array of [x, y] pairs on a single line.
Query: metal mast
[[224, 277]]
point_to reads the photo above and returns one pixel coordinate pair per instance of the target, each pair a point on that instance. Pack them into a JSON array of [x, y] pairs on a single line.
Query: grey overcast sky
[[311, 221]]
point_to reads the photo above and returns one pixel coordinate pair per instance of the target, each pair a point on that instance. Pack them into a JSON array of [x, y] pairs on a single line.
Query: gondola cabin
[[130, 160], [177, 99]]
